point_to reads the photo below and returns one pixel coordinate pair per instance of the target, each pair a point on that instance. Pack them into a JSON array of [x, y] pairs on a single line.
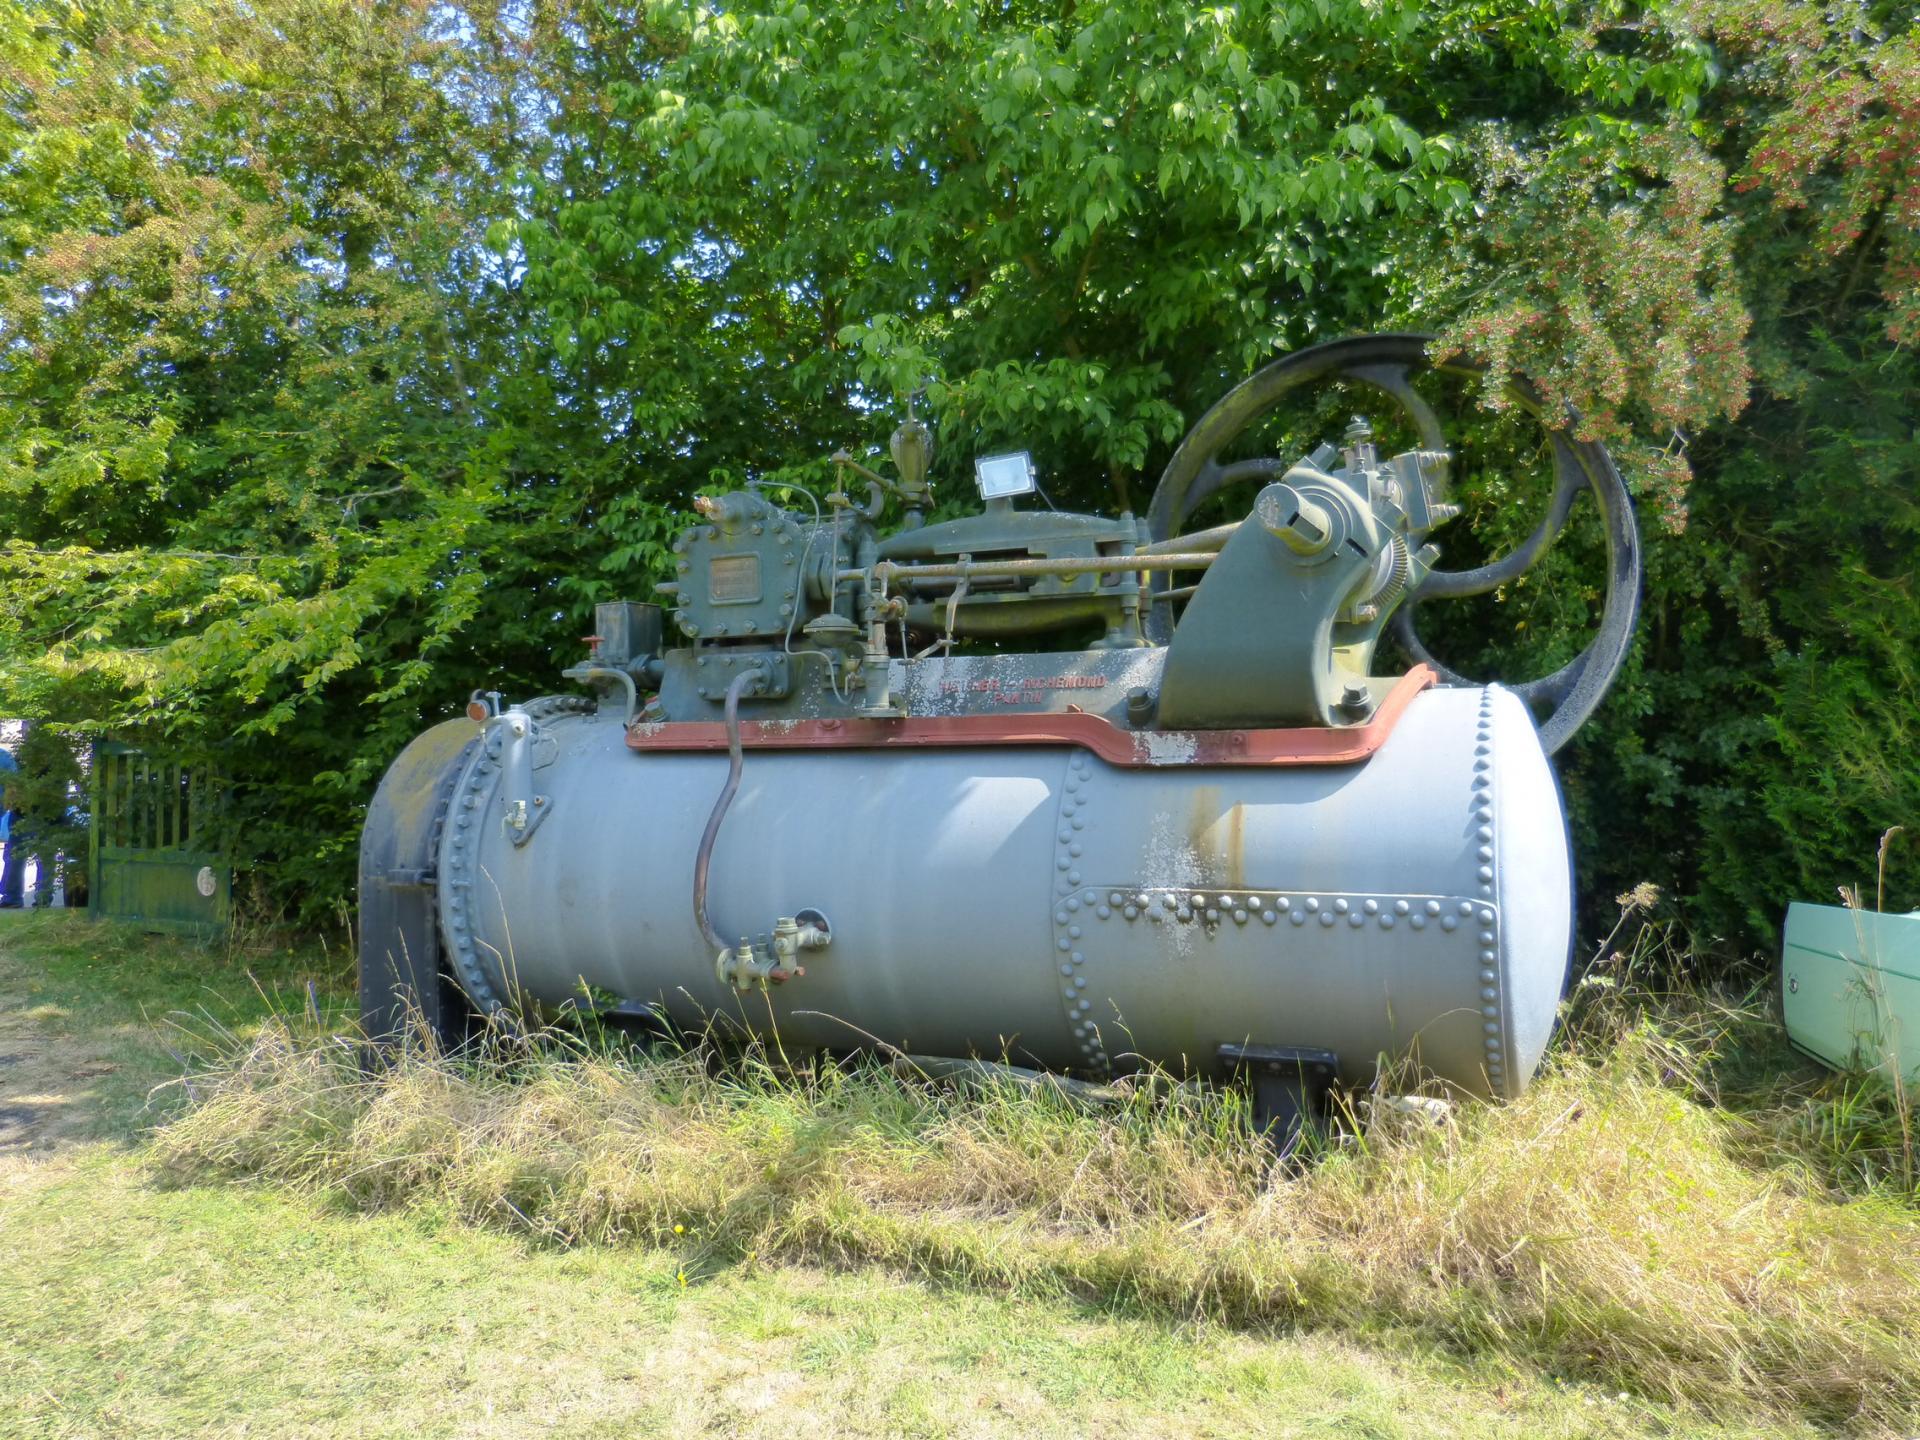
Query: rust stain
[[1218, 838], [1200, 836]]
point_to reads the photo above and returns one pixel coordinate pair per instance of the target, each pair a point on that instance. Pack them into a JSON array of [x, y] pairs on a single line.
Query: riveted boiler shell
[[1040, 904]]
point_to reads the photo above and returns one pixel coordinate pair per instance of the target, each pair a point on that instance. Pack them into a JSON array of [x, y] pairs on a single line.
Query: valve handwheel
[[1387, 363]]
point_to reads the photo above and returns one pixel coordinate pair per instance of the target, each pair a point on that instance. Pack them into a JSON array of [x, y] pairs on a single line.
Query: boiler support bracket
[[1292, 1087]]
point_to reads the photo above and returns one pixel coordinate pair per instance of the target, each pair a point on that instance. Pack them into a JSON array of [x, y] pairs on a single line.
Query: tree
[[264, 487]]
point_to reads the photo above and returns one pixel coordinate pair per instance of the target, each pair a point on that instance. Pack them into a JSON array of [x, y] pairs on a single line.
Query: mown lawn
[[131, 1304]]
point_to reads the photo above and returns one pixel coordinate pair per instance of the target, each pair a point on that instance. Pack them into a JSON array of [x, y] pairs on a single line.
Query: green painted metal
[[1850, 986], [1388, 365], [1332, 550], [818, 610], [831, 607], [151, 858], [1003, 606]]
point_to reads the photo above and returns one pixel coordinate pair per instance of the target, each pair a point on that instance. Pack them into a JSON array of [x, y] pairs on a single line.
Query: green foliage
[[1078, 226], [267, 491], [41, 791], [1767, 737], [350, 352]]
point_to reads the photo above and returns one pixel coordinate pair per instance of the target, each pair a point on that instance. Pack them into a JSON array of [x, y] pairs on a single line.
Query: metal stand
[[1292, 1086]]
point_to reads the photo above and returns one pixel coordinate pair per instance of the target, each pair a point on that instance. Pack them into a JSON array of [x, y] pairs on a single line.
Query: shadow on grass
[[97, 1017]]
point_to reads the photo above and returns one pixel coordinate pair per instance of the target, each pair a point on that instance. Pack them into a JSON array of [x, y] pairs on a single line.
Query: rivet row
[[1074, 905], [1481, 814]]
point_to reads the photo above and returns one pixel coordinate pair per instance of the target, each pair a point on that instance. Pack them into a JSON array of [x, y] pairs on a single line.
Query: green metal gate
[[152, 856]]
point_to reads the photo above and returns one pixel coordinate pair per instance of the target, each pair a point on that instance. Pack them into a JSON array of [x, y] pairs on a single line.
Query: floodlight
[[1000, 477]]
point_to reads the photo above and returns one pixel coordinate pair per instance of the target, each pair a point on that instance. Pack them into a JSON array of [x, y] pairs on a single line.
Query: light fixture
[[1001, 477]]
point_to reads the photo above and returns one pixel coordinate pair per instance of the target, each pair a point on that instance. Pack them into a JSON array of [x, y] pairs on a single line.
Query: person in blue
[[12, 869]]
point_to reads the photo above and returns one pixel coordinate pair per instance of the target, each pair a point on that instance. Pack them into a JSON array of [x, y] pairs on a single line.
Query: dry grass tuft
[[1611, 1224]]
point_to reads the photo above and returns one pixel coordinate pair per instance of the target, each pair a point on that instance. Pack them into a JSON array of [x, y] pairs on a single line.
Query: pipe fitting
[[792, 934], [726, 511], [745, 968], [511, 741]]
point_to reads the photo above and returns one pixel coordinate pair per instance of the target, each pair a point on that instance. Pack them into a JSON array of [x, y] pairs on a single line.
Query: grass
[[133, 1008], [221, 1311], [574, 1238], [119, 974], [1605, 1226]]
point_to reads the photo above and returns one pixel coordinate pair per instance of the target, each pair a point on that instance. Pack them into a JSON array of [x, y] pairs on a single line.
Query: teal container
[[1850, 987]]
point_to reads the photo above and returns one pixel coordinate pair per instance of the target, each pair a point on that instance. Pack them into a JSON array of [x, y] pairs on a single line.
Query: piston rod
[[1209, 540], [890, 572]]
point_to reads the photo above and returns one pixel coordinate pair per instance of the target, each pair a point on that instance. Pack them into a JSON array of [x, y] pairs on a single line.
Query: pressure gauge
[[1000, 477]]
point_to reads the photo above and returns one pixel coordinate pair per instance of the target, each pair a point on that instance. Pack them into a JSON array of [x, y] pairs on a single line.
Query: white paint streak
[[1169, 862], [1168, 747]]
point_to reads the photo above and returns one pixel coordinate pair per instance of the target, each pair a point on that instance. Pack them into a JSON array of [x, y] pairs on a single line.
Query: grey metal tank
[[1042, 905]]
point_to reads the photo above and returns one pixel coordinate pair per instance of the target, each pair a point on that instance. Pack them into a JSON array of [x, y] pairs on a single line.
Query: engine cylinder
[[1028, 902]]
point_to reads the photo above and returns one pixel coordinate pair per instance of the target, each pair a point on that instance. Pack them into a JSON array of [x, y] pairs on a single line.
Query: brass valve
[[746, 966], [791, 935]]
